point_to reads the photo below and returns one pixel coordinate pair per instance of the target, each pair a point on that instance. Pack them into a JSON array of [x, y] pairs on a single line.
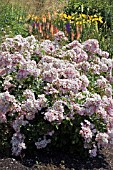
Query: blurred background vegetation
[[14, 18]]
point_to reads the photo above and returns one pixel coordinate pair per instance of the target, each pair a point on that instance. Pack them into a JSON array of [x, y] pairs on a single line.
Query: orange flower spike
[[40, 28], [52, 30], [77, 35], [55, 14], [30, 29], [35, 26], [56, 30], [44, 19], [49, 16], [72, 36], [77, 32], [48, 25], [77, 27], [47, 36], [80, 27]]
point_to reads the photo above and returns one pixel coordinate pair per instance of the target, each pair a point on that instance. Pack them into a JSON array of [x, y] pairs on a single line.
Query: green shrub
[[100, 8], [91, 7]]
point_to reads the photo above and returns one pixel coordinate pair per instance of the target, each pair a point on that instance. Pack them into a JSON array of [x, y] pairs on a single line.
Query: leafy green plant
[[91, 7], [99, 8], [12, 20]]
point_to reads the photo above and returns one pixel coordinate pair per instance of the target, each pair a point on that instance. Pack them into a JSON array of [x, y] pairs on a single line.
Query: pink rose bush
[[54, 93]]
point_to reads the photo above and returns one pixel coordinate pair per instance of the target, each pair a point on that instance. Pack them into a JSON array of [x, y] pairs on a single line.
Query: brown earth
[[59, 161]]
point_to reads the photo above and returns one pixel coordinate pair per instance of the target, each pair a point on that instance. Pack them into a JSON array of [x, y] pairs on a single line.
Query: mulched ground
[[59, 161]]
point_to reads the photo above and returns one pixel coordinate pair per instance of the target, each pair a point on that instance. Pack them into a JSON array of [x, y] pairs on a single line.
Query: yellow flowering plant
[[69, 23], [73, 25]]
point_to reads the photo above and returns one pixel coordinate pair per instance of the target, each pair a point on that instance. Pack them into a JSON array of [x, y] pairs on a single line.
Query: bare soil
[[59, 161]]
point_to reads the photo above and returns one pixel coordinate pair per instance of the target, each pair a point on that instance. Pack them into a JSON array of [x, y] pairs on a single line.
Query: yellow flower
[[88, 21], [77, 19], [84, 21], [94, 19], [28, 17], [95, 16], [90, 17], [69, 17], [55, 13], [63, 20], [65, 16], [35, 18], [73, 17], [33, 15], [32, 18], [20, 18], [100, 19], [71, 22], [79, 22], [83, 16], [97, 19], [61, 15]]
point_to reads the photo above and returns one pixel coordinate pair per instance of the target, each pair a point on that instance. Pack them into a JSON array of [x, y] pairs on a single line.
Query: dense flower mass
[[54, 83]]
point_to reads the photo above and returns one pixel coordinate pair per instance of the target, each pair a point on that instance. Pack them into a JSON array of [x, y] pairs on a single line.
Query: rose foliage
[[56, 94]]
